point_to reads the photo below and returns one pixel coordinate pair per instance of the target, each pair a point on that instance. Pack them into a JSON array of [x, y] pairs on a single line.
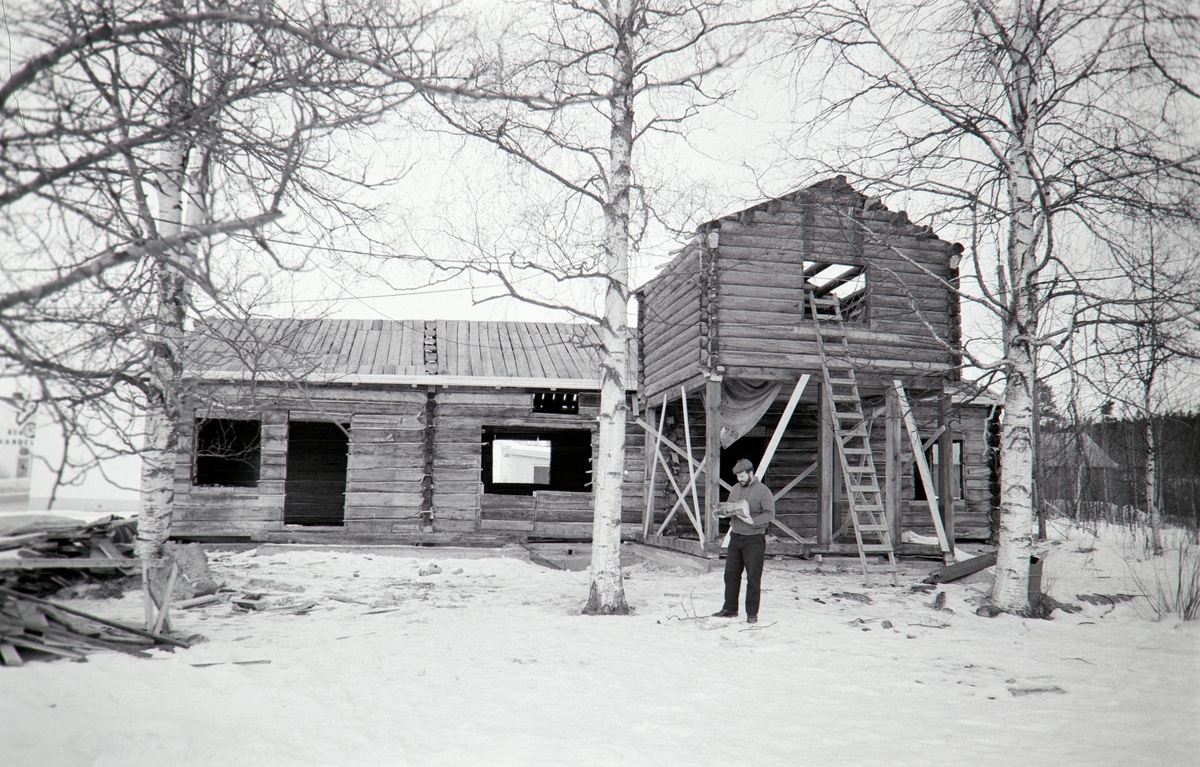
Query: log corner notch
[[710, 314], [710, 324]]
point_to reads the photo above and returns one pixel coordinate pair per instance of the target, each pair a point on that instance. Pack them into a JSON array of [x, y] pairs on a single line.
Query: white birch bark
[[1018, 520], [606, 595], [1151, 481], [162, 418]]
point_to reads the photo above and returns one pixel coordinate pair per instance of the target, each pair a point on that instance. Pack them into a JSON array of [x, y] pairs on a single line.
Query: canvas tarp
[[743, 404]]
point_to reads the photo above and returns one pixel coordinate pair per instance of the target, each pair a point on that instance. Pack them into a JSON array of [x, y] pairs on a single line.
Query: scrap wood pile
[[90, 548], [35, 627]]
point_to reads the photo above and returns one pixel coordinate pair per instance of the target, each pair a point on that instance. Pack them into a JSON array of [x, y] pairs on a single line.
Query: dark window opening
[[957, 472], [228, 452], [315, 484], [846, 282], [518, 462], [564, 402]]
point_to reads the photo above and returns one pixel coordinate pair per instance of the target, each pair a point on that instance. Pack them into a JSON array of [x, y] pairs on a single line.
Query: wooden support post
[[147, 602], [687, 438], [652, 456], [892, 480], [712, 456], [946, 465], [914, 438], [166, 600], [825, 460]]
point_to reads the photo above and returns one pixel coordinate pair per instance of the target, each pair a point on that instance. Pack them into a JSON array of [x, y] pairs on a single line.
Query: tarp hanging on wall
[[743, 404]]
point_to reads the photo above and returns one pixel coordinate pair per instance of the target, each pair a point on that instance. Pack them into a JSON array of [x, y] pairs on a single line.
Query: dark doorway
[[315, 488], [751, 448]]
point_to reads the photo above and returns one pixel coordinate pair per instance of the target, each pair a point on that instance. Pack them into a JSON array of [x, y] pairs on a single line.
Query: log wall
[[669, 325], [414, 460], [761, 259], [460, 505]]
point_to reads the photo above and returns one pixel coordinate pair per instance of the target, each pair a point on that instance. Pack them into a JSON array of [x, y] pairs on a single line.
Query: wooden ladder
[[853, 438]]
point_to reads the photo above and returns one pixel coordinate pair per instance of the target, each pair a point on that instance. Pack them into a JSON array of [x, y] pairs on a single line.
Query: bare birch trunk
[[1151, 479], [162, 437], [1017, 518], [606, 595], [1017, 521]]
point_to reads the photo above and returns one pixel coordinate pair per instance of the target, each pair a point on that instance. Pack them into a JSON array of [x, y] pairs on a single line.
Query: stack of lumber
[[50, 557], [36, 628]]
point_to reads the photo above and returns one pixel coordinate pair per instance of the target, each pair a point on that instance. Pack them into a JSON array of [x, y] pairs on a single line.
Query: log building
[[394, 431], [444, 431], [732, 368]]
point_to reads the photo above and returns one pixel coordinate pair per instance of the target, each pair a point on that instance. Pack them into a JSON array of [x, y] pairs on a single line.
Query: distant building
[[17, 431]]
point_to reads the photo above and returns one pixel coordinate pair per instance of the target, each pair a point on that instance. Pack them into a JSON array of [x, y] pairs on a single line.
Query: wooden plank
[[389, 337], [10, 656], [543, 348], [513, 350], [691, 469], [685, 545], [712, 447], [401, 348], [782, 425], [962, 569], [96, 619], [528, 359], [462, 356], [165, 606], [923, 468], [946, 449], [442, 344], [505, 348], [825, 460], [650, 493], [76, 563], [476, 342], [892, 479], [369, 349]]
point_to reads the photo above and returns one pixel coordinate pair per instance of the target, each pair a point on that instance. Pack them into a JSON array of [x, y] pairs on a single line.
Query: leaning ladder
[[854, 441]]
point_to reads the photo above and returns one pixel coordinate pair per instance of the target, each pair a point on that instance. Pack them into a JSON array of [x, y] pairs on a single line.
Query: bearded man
[[747, 541]]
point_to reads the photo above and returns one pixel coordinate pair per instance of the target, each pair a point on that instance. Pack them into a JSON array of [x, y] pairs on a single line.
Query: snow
[[488, 662]]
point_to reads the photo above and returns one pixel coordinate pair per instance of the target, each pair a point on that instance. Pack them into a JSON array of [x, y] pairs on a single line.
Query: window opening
[[933, 456], [518, 462], [847, 282], [564, 402], [228, 452]]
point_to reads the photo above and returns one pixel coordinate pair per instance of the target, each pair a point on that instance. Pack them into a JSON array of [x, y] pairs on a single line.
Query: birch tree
[[145, 149], [1146, 350], [1026, 128], [572, 92]]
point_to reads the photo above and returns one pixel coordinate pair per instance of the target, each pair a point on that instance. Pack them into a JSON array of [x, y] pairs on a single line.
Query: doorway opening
[[315, 486]]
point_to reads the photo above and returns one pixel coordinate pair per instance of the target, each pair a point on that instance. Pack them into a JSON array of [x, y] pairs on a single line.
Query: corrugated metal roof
[[461, 352]]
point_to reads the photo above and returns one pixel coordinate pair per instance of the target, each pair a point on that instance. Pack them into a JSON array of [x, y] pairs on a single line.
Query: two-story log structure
[[727, 332]]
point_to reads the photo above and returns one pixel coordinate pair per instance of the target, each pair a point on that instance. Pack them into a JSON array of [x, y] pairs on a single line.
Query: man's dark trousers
[[745, 552]]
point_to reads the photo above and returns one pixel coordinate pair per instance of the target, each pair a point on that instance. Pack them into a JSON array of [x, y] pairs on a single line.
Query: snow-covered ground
[[488, 662]]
